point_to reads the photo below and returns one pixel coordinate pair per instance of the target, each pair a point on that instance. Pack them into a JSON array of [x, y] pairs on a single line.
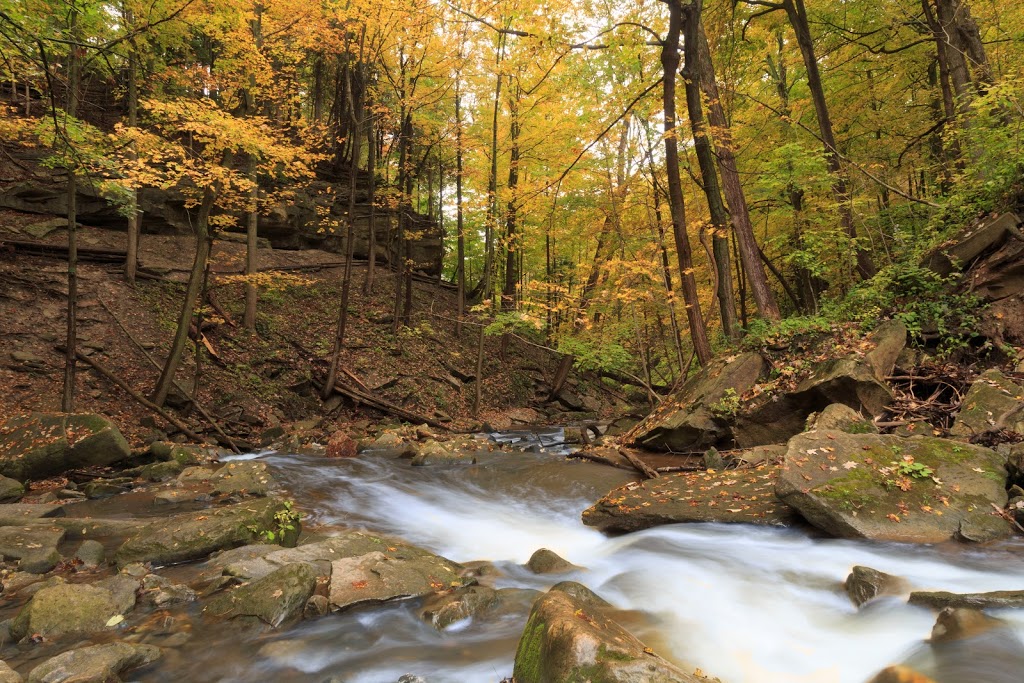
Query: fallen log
[[382, 405], [639, 464], [600, 459]]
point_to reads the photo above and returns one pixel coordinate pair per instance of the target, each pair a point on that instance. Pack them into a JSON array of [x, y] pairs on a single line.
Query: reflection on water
[[747, 604]]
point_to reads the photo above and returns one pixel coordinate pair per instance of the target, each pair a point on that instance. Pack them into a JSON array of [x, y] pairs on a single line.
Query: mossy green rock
[[39, 445], [247, 477], [94, 664], [884, 487], [277, 598], [433, 453], [569, 641], [11, 490], [993, 402], [65, 609], [193, 536]]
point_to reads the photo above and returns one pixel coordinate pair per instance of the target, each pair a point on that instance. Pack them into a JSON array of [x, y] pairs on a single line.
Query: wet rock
[[195, 475], [992, 600], [182, 454], [193, 536], [277, 598], [161, 471], [842, 418], [341, 445], [732, 496], [173, 496], [11, 490], [411, 678], [94, 664], [248, 477], [697, 416], [546, 561], [955, 623], [317, 606], [39, 445], [884, 487], [34, 546], [124, 587], [90, 553], [865, 584], [161, 592], [901, 674], [64, 609], [17, 581], [104, 488], [581, 594], [567, 640], [14, 514], [993, 402], [9, 675], [435, 453], [475, 602], [377, 569]]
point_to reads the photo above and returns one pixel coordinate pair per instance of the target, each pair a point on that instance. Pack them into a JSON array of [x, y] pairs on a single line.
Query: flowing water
[[747, 604]]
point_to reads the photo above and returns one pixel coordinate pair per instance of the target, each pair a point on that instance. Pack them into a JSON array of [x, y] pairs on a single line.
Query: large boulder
[[698, 415], [277, 598], [39, 445], [993, 403], [245, 478], [568, 640], [94, 664], [11, 490], [35, 547], [64, 609], [884, 487], [745, 496], [990, 600], [475, 602], [195, 535], [8, 675]]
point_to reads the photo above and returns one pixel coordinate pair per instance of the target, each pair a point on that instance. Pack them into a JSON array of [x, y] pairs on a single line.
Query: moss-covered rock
[[277, 598], [993, 402], [39, 445], [94, 664], [884, 487], [732, 496], [65, 609], [433, 452], [193, 536], [11, 490], [991, 600], [245, 478], [568, 641], [545, 561]]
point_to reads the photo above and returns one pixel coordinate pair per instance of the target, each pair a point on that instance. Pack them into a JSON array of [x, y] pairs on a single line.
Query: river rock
[[377, 569], [9, 675], [11, 490], [697, 416], [744, 496], [865, 584], [14, 514], [94, 664], [193, 536], [901, 674], [545, 561], [161, 471], [248, 477], [476, 602], [35, 547], [852, 486], [90, 553], [992, 403], [992, 600], [277, 598], [64, 609], [184, 454], [341, 445], [434, 453], [567, 640], [842, 418], [160, 592], [39, 445]]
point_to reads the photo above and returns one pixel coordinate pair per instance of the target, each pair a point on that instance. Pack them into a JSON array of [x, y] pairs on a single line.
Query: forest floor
[[260, 382]]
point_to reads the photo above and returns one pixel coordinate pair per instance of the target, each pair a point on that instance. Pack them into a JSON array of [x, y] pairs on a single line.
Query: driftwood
[[639, 464], [228, 441], [600, 459], [680, 468], [383, 405], [139, 398]]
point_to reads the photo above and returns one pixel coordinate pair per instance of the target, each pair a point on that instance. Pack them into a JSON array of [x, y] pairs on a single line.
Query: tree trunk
[[460, 266], [131, 262], [797, 14], [71, 338], [670, 65], [706, 161], [251, 265], [195, 281], [508, 292], [371, 158], [746, 243]]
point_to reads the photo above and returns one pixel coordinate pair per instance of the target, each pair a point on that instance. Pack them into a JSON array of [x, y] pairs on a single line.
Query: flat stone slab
[[18, 542], [13, 514], [992, 600], [744, 496], [94, 664]]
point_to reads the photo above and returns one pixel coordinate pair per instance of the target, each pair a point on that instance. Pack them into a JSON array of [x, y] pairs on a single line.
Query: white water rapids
[[746, 604]]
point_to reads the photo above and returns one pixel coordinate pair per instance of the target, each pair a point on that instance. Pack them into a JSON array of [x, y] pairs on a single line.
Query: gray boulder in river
[[39, 445]]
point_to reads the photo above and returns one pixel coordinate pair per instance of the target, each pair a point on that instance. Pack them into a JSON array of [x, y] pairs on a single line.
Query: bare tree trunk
[[67, 402], [670, 65], [131, 263], [797, 14], [508, 293], [706, 161], [746, 243], [460, 267], [251, 265], [371, 158], [195, 281]]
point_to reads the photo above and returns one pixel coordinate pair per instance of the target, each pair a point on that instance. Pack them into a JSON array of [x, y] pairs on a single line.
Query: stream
[[746, 604]]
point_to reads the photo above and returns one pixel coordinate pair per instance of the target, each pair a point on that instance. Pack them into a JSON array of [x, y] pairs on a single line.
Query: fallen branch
[[584, 455], [681, 468], [1008, 517], [642, 467], [229, 442], [142, 400], [384, 406]]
